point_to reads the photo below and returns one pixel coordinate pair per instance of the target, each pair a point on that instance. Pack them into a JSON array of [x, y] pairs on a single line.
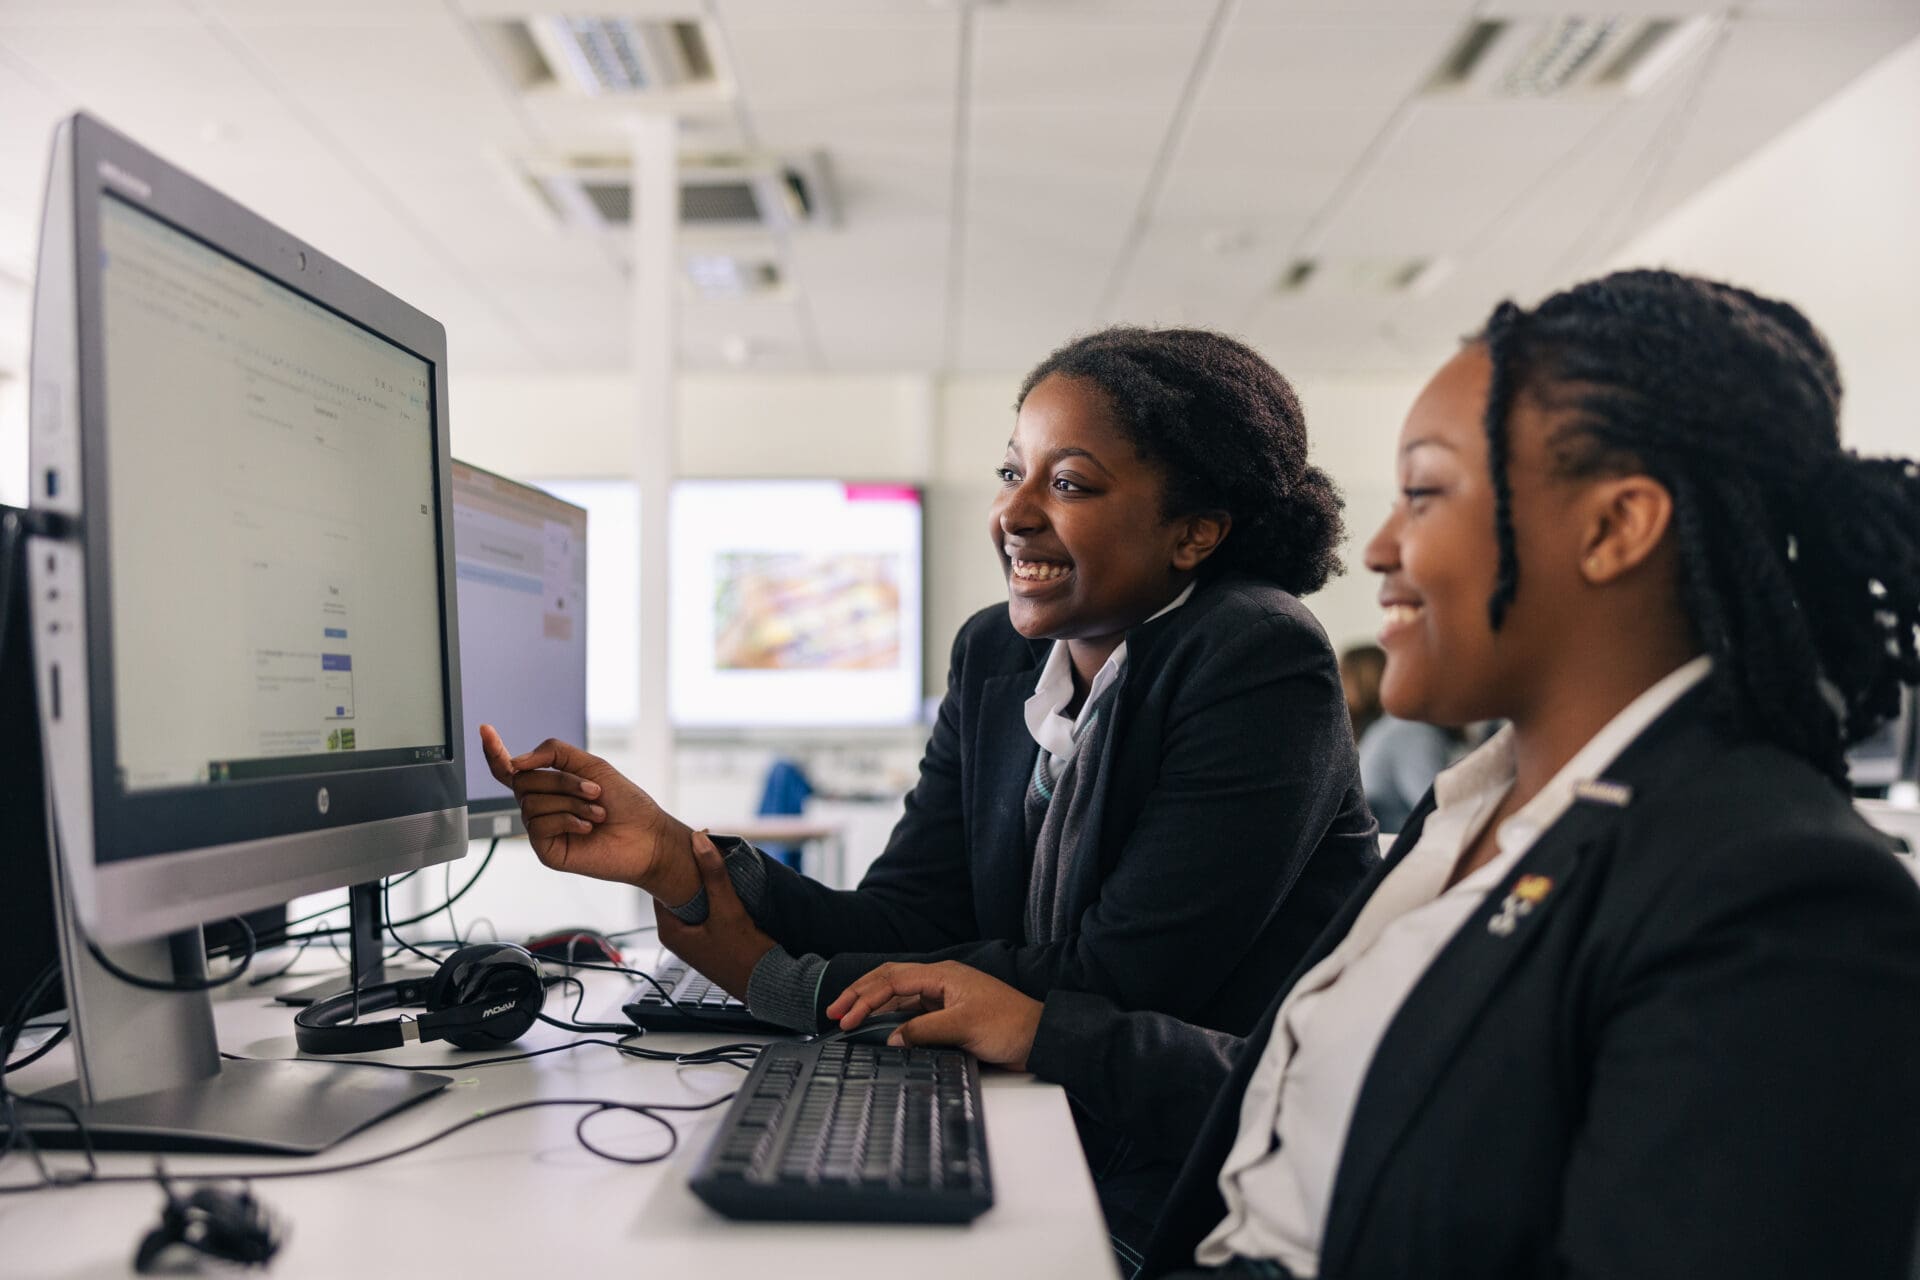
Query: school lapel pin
[[1598, 790], [1528, 893]]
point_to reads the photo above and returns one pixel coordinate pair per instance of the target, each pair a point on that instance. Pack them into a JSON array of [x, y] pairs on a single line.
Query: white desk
[[517, 1196]]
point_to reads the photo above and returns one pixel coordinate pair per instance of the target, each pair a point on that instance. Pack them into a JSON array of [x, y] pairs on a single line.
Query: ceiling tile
[[1247, 163], [1026, 13], [1446, 172], [824, 13], [97, 13], [1323, 66], [1139, 67], [875, 68], [1203, 273], [896, 164], [407, 99], [1289, 12], [877, 297]]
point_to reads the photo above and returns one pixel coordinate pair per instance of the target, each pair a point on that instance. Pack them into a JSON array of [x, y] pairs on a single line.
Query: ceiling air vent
[[1370, 277], [601, 56], [718, 192], [1545, 58]]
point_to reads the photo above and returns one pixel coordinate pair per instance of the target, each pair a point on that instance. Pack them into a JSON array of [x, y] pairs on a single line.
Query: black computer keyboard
[[828, 1129], [698, 1003]]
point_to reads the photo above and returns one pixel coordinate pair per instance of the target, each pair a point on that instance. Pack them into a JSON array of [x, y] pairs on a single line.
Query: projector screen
[[793, 602]]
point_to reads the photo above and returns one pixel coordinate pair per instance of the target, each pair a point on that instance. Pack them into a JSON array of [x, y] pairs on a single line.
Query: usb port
[[53, 483], [53, 684]]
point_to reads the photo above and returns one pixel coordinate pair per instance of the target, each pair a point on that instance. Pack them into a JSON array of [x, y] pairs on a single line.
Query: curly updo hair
[[1226, 433], [1799, 561]]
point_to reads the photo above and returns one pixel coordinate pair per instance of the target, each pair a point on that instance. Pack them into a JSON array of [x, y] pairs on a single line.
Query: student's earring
[[1592, 565]]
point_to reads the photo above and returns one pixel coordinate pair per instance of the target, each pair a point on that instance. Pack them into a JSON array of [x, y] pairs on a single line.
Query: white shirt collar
[[1493, 761], [1054, 691]]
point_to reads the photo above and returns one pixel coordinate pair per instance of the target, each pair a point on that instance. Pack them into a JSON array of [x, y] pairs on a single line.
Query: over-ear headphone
[[481, 997]]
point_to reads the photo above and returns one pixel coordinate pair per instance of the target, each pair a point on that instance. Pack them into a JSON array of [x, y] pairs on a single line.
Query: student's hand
[[583, 815], [728, 944], [965, 1007]]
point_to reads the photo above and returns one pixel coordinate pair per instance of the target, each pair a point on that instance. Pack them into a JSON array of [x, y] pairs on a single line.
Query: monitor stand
[[366, 909], [151, 1077], [148, 1070]]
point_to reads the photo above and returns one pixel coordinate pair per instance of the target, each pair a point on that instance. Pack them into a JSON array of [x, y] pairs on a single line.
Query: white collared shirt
[[1278, 1178], [1059, 735]]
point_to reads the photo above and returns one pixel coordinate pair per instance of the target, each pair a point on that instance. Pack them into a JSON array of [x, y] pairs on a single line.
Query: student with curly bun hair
[[1636, 993], [1142, 780]]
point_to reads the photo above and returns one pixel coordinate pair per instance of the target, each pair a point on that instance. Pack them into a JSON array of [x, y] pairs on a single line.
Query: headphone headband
[[482, 996]]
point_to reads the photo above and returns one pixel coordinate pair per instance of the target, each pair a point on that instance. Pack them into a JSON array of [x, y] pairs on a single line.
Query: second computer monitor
[[522, 570]]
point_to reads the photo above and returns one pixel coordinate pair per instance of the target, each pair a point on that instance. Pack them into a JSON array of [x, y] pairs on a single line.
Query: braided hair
[[1226, 432], [1799, 561]]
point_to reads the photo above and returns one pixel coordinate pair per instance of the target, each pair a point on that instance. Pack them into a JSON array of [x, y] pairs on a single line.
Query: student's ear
[[1199, 536], [1627, 519]]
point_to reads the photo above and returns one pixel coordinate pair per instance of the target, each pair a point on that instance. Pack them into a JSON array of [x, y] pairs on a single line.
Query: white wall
[[1825, 216], [13, 440]]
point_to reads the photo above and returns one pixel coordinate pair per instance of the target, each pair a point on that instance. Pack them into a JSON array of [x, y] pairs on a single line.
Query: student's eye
[[1415, 495], [1064, 485], [1007, 475]]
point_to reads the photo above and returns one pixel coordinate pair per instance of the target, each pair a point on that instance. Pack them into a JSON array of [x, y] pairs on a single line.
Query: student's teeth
[[1035, 571], [1401, 613]]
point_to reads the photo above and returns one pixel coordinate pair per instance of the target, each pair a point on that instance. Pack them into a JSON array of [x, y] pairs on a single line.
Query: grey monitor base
[[289, 1107]]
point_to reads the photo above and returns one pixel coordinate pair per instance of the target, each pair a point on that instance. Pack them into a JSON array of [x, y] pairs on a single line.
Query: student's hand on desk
[[728, 944], [964, 1007], [583, 815]]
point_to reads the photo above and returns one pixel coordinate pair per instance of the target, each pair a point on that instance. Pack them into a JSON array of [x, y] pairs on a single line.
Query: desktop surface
[[518, 1194]]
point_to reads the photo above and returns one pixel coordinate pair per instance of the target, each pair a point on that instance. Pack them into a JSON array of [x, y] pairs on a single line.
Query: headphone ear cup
[[481, 978]]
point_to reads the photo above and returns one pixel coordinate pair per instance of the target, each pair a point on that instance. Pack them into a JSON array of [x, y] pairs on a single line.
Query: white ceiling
[[1008, 172]]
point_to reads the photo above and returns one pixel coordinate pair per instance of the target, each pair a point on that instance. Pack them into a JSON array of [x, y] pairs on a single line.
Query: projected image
[[781, 611], [793, 602]]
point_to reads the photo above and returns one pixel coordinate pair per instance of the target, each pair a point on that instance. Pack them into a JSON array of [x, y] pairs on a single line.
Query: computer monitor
[[522, 563], [243, 619]]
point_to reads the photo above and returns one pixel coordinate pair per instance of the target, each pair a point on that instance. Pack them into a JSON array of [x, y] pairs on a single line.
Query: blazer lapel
[[1443, 1006], [1450, 997], [996, 807]]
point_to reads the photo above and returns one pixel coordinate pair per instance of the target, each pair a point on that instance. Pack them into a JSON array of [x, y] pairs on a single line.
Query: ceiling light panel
[[1506, 58]]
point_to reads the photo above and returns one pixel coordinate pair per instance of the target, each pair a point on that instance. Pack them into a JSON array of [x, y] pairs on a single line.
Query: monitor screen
[[793, 602], [521, 561], [274, 539]]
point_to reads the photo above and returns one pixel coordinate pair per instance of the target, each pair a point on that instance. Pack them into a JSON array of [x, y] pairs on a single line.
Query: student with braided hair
[[1636, 993]]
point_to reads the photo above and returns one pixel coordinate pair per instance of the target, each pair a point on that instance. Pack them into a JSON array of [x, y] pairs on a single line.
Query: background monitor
[[522, 565], [242, 611], [793, 603]]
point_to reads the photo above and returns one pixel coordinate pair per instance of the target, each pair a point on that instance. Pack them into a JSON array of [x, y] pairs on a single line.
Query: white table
[[518, 1196]]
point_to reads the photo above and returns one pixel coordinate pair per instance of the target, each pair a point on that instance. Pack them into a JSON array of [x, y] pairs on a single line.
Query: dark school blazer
[[1696, 1055], [1230, 824]]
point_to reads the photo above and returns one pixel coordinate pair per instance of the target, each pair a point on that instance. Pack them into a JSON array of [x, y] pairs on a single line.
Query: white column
[[656, 221]]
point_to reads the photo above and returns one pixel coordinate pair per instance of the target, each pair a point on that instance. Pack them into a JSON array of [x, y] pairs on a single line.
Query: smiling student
[[1636, 994], [1142, 780]]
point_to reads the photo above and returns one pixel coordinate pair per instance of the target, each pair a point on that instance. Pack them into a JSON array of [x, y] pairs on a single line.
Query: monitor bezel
[[143, 824]]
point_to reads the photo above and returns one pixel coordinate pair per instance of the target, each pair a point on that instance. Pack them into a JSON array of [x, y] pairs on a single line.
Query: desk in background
[[517, 1196]]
